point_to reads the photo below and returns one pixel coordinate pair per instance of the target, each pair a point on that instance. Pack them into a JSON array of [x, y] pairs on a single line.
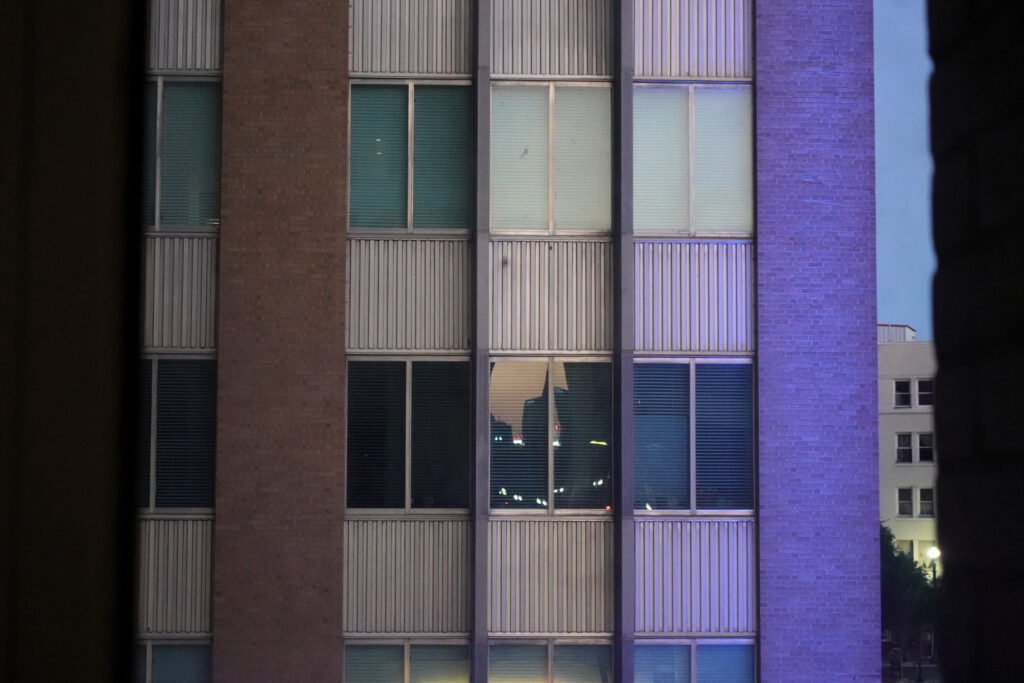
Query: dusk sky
[[906, 259]]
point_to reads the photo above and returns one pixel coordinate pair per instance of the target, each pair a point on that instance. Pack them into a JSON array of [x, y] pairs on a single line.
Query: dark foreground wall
[[816, 342], [977, 101]]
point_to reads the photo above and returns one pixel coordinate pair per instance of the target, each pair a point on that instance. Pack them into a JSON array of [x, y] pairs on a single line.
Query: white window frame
[[920, 448], [896, 393], [911, 502], [908, 449], [918, 392], [921, 502]]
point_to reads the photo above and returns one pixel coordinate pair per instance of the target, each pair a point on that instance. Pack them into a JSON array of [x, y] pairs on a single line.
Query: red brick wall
[[280, 456]]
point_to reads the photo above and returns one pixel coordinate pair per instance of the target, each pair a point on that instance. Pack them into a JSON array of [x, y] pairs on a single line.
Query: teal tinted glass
[[661, 664], [178, 663], [149, 155], [518, 664], [374, 664], [378, 148], [442, 157], [582, 664], [436, 663], [725, 663], [190, 155]]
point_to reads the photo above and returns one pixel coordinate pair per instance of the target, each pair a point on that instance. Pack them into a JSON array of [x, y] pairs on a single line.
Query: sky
[[903, 165]]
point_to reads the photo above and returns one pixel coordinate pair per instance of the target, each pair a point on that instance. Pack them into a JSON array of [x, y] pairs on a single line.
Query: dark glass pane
[[519, 433], [186, 427], [443, 157], [139, 664], [661, 436], [661, 663], [434, 663], [378, 151], [374, 664], [725, 443], [190, 155], [441, 441], [582, 664], [583, 434], [149, 154], [518, 664], [376, 435], [143, 417], [181, 663], [725, 663]]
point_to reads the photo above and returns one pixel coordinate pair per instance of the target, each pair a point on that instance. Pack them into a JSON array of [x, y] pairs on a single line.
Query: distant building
[[906, 439]]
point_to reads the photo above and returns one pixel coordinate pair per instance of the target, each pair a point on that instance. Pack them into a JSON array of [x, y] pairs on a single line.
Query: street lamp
[[933, 554]]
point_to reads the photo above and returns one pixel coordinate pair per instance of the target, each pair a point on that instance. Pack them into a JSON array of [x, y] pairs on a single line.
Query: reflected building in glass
[[509, 340]]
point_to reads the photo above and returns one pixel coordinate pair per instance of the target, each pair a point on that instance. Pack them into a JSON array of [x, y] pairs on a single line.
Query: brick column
[[281, 410]]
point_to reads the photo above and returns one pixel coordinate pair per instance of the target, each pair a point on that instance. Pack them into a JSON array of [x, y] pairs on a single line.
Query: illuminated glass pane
[[518, 664], [374, 664], [378, 153], [439, 664], [443, 157], [723, 159], [519, 158], [661, 159], [583, 158], [725, 663]]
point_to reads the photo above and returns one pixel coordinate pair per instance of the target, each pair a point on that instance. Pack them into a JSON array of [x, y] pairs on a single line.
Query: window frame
[[921, 502], [693, 510], [692, 231], [408, 509], [919, 393], [148, 643], [909, 501], [407, 644], [157, 226], [693, 643], [897, 393], [908, 450], [410, 137], [550, 644], [922, 448], [550, 84]]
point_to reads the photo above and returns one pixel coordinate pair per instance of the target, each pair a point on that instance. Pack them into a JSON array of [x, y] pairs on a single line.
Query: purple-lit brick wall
[[819, 592]]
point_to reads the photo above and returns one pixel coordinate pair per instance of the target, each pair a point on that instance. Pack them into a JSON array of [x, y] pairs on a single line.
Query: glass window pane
[[190, 155], [583, 434], [582, 664], [376, 435], [441, 441], [725, 663], [583, 158], [374, 664], [378, 154], [661, 664], [143, 413], [519, 158], [518, 664], [439, 664], [661, 436], [149, 154], [519, 433], [139, 664], [661, 159], [443, 157], [725, 441], [723, 159], [186, 428], [181, 663]]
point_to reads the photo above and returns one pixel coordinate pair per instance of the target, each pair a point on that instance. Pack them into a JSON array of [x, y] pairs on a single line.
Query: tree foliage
[[908, 596]]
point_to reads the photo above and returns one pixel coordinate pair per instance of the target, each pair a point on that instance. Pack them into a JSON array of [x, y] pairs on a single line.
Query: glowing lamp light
[[934, 553], [599, 443]]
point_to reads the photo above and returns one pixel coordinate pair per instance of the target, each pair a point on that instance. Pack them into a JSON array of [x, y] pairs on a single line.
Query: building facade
[[907, 452], [508, 340]]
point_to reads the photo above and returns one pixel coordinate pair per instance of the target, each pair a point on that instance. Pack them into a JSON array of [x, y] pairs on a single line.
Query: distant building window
[[927, 508], [926, 447], [425, 663], [904, 448], [902, 397], [176, 663], [906, 547], [565, 662], [905, 502], [925, 392]]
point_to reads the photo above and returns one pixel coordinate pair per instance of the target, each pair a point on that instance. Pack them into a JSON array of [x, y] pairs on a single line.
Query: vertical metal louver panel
[[374, 664], [376, 435], [582, 159], [661, 663], [725, 663], [582, 441], [404, 576], [175, 561], [661, 436], [519, 434], [695, 576], [550, 576], [725, 436], [184, 35], [408, 294], [441, 435], [692, 39], [551, 296], [694, 296], [723, 170], [551, 37], [443, 157], [190, 155], [401, 38], [186, 425], [180, 294], [181, 663], [519, 157], [379, 157], [143, 431]]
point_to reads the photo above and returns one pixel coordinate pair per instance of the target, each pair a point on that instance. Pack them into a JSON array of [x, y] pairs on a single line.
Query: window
[[172, 663], [181, 157], [927, 503], [387, 663], [177, 433], [433, 446], [726, 662], [906, 547], [551, 432], [661, 664], [925, 392], [437, 194], [566, 663], [710, 663], [904, 448], [902, 393], [905, 502], [718, 473], [551, 157], [693, 159], [925, 447]]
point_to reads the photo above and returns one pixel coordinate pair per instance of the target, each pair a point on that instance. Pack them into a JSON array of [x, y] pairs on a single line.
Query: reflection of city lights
[[560, 489], [497, 437], [503, 492], [517, 441], [599, 482], [517, 497], [648, 506], [556, 443], [607, 507], [599, 443]]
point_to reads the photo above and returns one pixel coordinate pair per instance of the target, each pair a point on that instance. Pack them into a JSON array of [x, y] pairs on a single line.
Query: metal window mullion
[[152, 433], [693, 661], [550, 492], [551, 158], [691, 119], [551, 662], [149, 662], [408, 434], [410, 150], [692, 417], [157, 158], [407, 660]]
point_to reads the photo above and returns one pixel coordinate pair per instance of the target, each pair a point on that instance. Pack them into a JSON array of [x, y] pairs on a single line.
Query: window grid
[[905, 502], [901, 393], [407, 644], [550, 646], [925, 392], [144, 651], [904, 447], [694, 647], [925, 447], [926, 502]]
